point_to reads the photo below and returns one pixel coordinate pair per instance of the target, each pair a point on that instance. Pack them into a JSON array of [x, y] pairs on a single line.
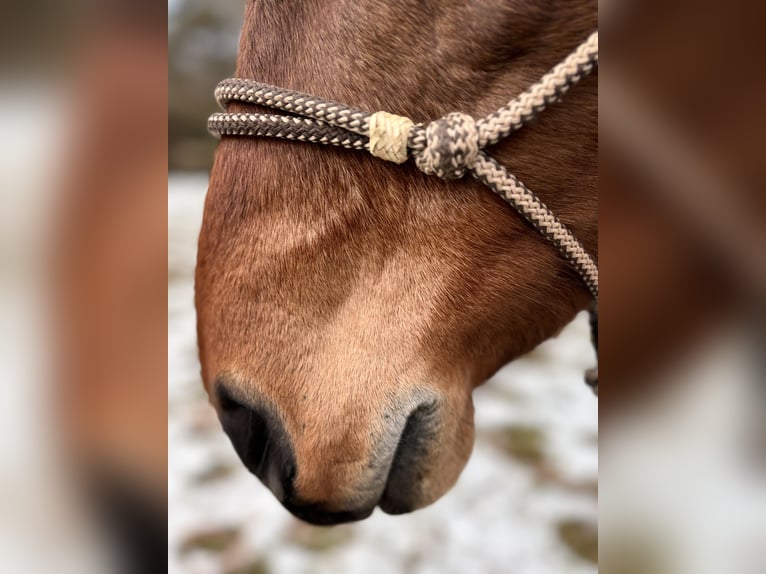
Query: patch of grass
[[523, 443], [213, 473], [212, 541], [581, 538], [259, 566], [318, 538], [637, 552], [586, 487], [549, 475]]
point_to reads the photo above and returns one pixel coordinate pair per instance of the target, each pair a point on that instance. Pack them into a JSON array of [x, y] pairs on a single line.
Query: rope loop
[[452, 146]]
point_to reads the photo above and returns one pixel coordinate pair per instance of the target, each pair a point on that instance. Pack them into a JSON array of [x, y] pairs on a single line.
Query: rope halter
[[448, 147]]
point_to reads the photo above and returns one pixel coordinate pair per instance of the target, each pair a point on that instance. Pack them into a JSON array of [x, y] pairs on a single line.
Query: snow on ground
[[525, 503]]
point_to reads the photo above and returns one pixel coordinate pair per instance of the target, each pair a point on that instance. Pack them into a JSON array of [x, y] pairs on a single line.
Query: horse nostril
[[227, 401], [404, 475], [260, 440]]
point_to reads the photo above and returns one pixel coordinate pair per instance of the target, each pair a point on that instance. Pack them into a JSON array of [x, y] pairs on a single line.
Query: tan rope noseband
[[449, 147]]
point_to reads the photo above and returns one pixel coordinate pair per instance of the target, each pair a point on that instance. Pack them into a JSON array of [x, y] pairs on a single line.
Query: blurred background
[[83, 268], [92, 225], [202, 50], [682, 232]]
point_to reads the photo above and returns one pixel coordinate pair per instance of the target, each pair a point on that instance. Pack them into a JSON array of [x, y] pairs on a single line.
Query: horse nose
[[260, 440]]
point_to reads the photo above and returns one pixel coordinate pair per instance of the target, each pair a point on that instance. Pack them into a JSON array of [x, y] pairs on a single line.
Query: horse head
[[347, 307]]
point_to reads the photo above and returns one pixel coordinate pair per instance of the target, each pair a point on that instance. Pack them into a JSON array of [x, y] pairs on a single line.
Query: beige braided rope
[[448, 147], [507, 185], [548, 90]]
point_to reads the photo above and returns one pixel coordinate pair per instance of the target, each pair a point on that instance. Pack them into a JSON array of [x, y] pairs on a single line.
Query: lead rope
[[449, 147]]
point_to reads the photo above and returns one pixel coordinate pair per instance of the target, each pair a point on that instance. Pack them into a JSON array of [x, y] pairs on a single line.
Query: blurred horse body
[[347, 307]]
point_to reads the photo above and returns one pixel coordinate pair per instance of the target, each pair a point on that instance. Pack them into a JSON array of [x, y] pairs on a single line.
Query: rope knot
[[452, 146], [388, 136]]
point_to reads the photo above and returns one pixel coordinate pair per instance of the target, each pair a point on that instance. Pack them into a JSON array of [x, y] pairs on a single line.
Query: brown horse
[[347, 307]]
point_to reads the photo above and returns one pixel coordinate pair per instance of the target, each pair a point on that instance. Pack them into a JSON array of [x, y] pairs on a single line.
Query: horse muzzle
[[399, 470]]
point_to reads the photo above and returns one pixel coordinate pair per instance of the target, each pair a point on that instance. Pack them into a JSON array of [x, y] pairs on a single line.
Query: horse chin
[[402, 503], [407, 494]]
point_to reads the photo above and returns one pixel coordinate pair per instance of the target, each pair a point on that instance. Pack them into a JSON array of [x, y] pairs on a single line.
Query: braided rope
[[548, 90], [285, 127], [252, 92], [448, 147], [508, 186]]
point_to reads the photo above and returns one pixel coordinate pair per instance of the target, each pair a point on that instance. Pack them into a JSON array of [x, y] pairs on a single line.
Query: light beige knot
[[388, 136], [452, 145]]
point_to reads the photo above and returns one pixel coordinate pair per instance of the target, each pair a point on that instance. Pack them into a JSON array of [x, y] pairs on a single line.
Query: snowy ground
[[525, 503]]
